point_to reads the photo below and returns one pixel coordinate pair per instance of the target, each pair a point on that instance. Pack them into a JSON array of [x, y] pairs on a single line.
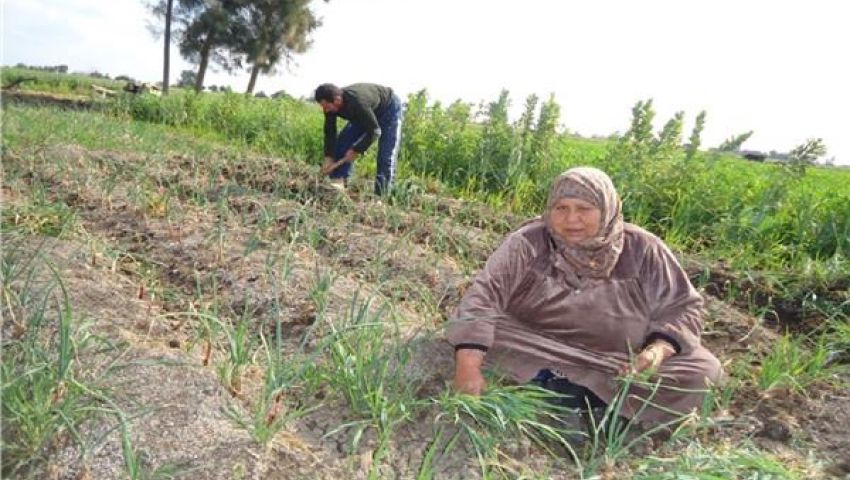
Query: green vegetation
[[722, 461], [48, 394], [41, 397], [367, 363], [57, 83], [270, 126], [796, 363], [734, 142], [505, 415]]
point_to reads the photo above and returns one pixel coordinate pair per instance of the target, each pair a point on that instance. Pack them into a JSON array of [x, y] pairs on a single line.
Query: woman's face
[[575, 220]]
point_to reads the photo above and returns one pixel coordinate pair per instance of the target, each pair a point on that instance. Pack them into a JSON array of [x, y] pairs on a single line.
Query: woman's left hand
[[650, 358]]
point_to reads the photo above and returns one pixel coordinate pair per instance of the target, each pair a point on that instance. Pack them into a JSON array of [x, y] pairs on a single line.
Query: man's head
[[329, 96]]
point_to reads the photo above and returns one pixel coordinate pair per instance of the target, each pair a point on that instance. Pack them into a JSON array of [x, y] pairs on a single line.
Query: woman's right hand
[[468, 377]]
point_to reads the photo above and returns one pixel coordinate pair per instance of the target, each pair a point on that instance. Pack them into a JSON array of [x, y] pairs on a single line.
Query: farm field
[[184, 298]]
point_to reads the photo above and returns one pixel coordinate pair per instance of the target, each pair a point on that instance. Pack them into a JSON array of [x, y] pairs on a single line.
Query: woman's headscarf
[[596, 256]]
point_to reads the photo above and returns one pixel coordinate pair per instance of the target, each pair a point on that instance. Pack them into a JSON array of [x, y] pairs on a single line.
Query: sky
[[779, 68]]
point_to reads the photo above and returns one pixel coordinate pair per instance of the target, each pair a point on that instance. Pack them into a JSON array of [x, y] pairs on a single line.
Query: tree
[[179, 18], [733, 144], [208, 31], [805, 154], [231, 32], [166, 55], [187, 79], [213, 35], [274, 30]]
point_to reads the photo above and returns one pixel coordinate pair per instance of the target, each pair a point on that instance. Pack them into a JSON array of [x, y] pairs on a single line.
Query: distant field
[[60, 83]]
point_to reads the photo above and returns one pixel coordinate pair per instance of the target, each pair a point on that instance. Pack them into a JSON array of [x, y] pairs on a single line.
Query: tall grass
[[269, 125]]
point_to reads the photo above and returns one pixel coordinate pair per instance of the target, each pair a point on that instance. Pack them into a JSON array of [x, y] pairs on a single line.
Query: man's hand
[[468, 378], [650, 358], [327, 166], [350, 156]]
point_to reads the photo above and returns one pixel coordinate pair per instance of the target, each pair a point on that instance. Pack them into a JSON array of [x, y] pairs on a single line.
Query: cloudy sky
[[779, 68]]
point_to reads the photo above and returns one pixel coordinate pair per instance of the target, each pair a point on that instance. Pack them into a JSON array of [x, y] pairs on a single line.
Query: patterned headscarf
[[597, 256]]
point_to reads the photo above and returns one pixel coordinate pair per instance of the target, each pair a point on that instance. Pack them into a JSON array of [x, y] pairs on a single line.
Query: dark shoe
[[574, 395]]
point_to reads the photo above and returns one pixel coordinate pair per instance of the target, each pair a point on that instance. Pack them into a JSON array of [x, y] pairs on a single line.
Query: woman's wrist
[[467, 359], [469, 355]]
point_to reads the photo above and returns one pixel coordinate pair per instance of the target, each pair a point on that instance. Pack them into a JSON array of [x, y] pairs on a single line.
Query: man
[[373, 112]]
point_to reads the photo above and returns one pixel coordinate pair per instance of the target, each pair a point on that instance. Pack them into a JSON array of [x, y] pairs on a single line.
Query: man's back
[[362, 96]]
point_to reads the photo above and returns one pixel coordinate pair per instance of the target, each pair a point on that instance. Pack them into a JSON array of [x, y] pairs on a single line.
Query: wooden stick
[[332, 167]]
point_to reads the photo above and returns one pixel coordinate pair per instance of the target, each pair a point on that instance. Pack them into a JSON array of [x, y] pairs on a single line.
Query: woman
[[580, 297]]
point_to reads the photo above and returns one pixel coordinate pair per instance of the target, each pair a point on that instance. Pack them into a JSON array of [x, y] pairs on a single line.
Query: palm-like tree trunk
[[255, 72], [166, 59], [205, 60]]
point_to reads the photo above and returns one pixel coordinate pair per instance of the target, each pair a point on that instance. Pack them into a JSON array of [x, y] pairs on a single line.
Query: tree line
[[257, 35]]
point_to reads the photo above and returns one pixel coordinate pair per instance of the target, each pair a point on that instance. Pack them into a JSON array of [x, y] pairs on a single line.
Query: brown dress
[[531, 311]]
